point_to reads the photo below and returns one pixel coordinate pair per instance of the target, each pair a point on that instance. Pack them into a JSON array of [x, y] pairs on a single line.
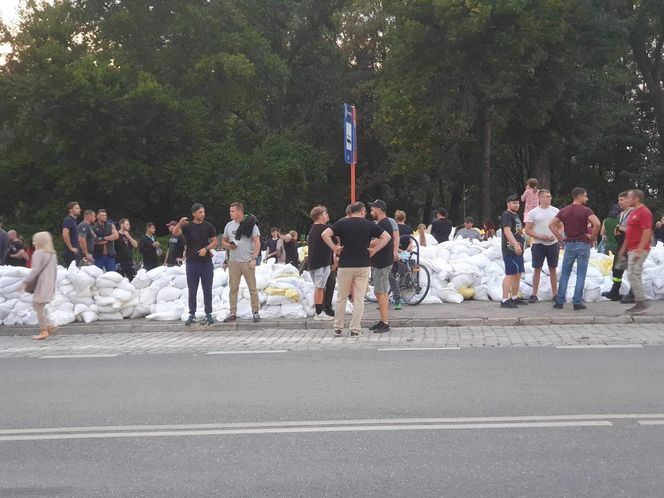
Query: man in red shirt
[[637, 246]]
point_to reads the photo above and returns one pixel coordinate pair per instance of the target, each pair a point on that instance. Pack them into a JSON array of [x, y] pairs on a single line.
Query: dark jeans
[[203, 271], [127, 269], [329, 290], [69, 257]]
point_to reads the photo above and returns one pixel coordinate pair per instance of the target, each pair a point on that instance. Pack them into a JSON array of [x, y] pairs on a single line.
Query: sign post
[[350, 145]]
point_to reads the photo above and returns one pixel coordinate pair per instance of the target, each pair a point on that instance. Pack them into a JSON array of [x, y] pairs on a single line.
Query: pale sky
[[8, 10]]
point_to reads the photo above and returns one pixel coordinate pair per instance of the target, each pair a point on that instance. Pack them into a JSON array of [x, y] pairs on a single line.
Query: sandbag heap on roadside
[[460, 270]]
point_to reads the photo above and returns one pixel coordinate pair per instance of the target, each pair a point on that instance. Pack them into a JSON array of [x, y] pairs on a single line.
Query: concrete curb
[[142, 326]]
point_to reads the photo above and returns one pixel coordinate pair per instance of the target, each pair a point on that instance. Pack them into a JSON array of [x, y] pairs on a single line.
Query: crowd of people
[[346, 254]]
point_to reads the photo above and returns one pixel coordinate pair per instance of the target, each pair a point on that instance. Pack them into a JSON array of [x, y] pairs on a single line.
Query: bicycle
[[414, 279]]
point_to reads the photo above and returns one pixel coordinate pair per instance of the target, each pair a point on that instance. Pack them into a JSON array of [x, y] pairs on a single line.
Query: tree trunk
[[652, 81], [541, 167], [426, 212], [485, 178]]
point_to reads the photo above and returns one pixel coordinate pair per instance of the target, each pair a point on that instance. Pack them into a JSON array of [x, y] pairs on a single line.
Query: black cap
[[380, 204], [513, 197]]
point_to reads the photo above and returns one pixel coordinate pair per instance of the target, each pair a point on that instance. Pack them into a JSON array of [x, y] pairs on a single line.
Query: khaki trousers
[[358, 280], [635, 274], [236, 271]]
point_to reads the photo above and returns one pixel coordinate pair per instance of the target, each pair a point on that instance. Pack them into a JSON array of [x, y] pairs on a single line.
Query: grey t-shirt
[[467, 233], [245, 246], [85, 231]]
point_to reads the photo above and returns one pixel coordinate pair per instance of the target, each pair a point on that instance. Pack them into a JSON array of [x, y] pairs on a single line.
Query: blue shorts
[[513, 264], [541, 252]]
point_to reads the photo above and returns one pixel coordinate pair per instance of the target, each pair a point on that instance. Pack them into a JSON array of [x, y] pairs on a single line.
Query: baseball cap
[[171, 223], [513, 197], [380, 204]]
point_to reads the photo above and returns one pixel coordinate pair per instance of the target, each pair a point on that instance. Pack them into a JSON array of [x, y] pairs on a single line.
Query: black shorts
[[541, 252]]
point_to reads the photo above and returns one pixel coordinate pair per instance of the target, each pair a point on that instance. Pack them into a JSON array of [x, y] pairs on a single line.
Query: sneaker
[[637, 309], [375, 325], [329, 312], [208, 320], [322, 316], [557, 305], [256, 317], [519, 301], [579, 307], [397, 305], [191, 320], [508, 304], [382, 328], [230, 319], [627, 299], [355, 333], [533, 299]]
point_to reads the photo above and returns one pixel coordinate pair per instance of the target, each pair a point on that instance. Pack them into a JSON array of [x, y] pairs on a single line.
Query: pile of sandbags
[[15, 306]]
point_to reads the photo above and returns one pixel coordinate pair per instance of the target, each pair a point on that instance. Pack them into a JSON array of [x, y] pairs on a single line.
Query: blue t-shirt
[[71, 225]]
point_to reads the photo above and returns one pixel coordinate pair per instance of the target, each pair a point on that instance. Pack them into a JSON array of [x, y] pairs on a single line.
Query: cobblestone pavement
[[200, 340]]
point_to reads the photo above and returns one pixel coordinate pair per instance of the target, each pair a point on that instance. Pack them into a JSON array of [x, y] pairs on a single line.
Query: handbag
[[29, 287]]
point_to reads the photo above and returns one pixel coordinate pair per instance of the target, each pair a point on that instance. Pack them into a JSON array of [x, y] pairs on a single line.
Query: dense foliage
[[144, 107]]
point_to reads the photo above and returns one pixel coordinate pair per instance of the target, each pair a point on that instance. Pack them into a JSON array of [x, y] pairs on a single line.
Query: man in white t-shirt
[[545, 244]]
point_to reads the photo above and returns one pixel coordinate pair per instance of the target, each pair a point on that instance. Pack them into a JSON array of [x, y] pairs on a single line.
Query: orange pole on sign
[[354, 164]]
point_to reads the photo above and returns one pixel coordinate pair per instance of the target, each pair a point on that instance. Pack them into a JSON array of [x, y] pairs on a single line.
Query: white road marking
[[299, 430], [601, 346], [651, 422], [265, 351], [451, 348], [352, 422], [58, 356]]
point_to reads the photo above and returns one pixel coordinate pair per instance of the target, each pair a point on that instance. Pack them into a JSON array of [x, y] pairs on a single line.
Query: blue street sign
[[349, 134]]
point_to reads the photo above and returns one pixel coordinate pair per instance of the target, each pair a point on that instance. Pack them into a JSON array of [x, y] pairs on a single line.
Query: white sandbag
[[293, 311], [180, 282], [220, 278], [168, 294], [123, 295], [89, 316], [93, 271], [141, 280], [450, 295], [170, 315], [270, 312], [156, 272], [80, 280], [112, 276], [139, 312], [61, 317]]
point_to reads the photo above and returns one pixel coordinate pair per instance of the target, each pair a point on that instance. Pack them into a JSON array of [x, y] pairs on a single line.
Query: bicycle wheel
[[414, 284]]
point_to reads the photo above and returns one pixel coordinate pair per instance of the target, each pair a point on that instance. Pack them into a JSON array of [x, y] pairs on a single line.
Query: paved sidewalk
[[209, 340], [467, 314]]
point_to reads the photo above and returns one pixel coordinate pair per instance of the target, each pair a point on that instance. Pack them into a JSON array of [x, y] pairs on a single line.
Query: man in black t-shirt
[[441, 226], [512, 247], [124, 250], [70, 233], [381, 265], [201, 238], [176, 246], [272, 244], [86, 236], [320, 260], [148, 246], [355, 234]]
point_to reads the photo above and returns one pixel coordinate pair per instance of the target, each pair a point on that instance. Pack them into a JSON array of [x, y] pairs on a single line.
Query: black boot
[[614, 293]]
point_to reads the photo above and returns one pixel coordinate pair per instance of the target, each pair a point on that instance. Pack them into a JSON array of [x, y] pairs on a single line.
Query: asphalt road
[[336, 423]]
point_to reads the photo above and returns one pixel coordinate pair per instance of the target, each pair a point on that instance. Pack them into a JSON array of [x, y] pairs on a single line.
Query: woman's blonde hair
[[43, 241], [422, 231]]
